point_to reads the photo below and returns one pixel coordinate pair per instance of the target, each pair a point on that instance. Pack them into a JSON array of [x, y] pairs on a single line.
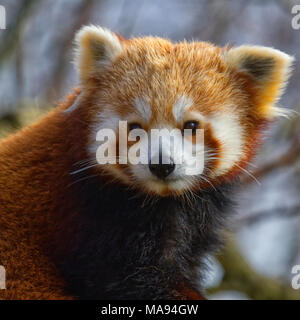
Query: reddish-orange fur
[[30, 166]]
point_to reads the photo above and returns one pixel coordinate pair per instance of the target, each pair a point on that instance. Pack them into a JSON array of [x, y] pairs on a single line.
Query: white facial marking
[[102, 38], [227, 129], [107, 120], [143, 109], [180, 106]]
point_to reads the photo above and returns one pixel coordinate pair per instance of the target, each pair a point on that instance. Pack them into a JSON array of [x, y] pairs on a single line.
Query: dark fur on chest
[[131, 247]]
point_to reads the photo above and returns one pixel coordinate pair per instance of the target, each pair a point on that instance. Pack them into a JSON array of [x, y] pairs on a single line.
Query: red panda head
[[153, 83]]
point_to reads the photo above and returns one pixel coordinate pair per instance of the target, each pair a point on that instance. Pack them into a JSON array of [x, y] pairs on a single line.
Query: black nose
[[162, 170]]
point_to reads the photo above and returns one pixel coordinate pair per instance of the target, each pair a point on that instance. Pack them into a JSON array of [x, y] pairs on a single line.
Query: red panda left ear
[[269, 70], [96, 47]]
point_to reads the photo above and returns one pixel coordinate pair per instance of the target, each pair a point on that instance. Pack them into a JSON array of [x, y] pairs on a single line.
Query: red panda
[[71, 228]]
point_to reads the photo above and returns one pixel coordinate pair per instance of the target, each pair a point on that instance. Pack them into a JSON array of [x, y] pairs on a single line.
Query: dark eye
[[133, 126], [192, 125]]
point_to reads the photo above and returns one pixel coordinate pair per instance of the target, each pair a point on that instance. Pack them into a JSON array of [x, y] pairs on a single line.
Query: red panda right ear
[[96, 47], [269, 70]]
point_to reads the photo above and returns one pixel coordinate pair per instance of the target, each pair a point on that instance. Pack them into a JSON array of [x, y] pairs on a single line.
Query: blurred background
[[36, 72]]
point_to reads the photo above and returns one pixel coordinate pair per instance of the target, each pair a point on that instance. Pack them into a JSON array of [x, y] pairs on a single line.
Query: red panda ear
[[269, 70], [96, 47]]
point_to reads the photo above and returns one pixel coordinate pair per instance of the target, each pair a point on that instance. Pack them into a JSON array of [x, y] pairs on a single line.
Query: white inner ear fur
[[96, 47], [228, 131]]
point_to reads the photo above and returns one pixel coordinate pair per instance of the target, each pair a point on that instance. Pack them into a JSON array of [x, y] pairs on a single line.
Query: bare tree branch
[[291, 156], [265, 214]]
